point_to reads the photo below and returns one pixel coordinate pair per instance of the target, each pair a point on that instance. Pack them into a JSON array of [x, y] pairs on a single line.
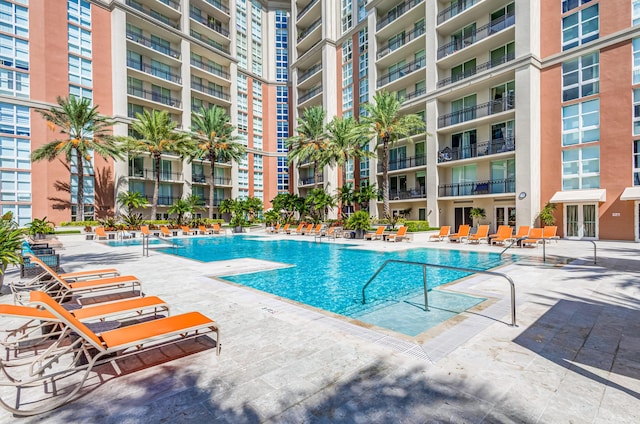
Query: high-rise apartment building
[[525, 103]]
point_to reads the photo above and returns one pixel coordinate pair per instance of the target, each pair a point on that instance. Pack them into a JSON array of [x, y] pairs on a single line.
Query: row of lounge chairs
[[525, 235], [53, 339], [101, 234], [303, 229], [380, 234]]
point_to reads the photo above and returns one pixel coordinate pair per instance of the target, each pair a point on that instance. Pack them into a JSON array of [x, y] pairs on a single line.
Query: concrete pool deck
[[574, 356]]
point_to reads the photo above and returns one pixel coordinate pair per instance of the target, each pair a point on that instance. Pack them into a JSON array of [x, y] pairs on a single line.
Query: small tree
[[546, 215], [477, 214], [132, 200], [10, 241]]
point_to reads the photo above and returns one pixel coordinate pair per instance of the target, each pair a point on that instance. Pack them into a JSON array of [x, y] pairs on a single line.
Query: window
[[80, 71], [14, 52], [21, 213], [256, 58], [580, 27], [363, 39], [14, 19], [363, 64], [347, 74], [362, 10], [257, 124], [347, 98], [14, 83], [257, 106], [14, 119], [347, 51], [636, 162], [256, 89], [635, 12], [503, 176], [581, 123], [79, 12], [243, 103], [243, 83], [364, 90], [464, 180], [347, 15], [568, 5], [15, 153], [464, 70], [503, 54], [80, 92], [636, 111], [581, 168], [243, 121], [580, 77], [79, 40], [636, 60]]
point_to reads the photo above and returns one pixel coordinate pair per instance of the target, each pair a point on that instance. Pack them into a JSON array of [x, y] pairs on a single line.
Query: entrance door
[[581, 221], [462, 216], [505, 215]]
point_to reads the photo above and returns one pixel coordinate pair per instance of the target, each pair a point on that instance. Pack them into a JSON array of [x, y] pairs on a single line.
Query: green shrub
[[415, 226], [78, 223], [68, 232]]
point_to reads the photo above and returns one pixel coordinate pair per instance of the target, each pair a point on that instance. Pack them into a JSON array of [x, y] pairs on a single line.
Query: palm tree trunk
[[212, 186], [80, 195], [315, 174], [385, 178], [156, 186]]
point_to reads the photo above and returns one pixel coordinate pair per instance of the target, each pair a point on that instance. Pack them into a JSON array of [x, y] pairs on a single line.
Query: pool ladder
[[145, 244], [453, 268]]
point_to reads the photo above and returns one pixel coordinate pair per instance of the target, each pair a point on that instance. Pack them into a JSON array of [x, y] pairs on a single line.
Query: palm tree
[[132, 200], [214, 141], [318, 202], [311, 141], [384, 120], [186, 206], [155, 133], [346, 141], [84, 130]]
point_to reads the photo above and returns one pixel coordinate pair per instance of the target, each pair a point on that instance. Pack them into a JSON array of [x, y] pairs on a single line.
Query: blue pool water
[[330, 276]]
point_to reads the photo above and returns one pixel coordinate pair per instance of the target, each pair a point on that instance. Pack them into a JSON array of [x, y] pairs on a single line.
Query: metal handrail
[[453, 268], [145, 244], [544, 249]]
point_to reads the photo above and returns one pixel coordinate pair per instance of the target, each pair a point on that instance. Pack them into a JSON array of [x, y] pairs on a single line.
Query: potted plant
[[477, 214], [235, 208], [11, 238], [39, 228], [359, 221], [546, 215]]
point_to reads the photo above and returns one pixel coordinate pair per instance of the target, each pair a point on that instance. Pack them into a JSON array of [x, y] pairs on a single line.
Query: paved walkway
[[574, 357]]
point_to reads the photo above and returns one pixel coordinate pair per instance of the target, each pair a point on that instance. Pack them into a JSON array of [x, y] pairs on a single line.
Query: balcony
[[218, 5], [396, 12], [309, 94], [210, 69], [507, 185], [171, 3], [155, 46], [484, 148], [163, 200], [210, 91], [208, 41], [306, 9], [154, 97], [455, 9], [415, 94], [311, 71], [209, 23], [309, 30], [155, 15], [202, 179], [399, 73], [399, 43], [478, 111], [418, 192], [310, 180], [405, 163], [471, 72], [156, 72], [198, 178], [479, 34], [149, 174]]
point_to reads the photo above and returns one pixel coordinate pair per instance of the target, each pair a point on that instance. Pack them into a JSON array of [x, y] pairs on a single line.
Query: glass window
[[14, 19], [80, 71], [581, 168], [347, 15], [363, 64], [568, 5], [635, 12], [636, 111], [580, 77], [636, 162], [14, 83], [581, 123], [580, 27], [79, 40]]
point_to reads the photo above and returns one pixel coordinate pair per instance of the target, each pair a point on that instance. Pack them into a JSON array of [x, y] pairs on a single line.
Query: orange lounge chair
[[298, 230], [285, 229], [481, 234], [377, 235], [186, 231], [59, 288], [535, 237], [144, 229], [523, 232], [399, 236], [444, 232], [463, 233], [306, 230], [101, 234], [549, 233], [204, 230], [316, 231], [60, 361], [503, 235], [216, 229], [273, 230], [164, 231]]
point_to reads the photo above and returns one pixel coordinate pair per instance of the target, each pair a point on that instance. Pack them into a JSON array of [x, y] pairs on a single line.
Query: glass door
[[581, 221]]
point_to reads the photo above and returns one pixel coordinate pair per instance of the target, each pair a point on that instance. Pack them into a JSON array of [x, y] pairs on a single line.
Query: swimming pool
[[330, 276]]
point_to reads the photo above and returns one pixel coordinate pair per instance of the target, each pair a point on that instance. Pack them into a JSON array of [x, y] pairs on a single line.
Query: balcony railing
[[507, 185], [405, 163], [162, 200], [309, 94], [471, 72], [310, 180], [455, 9], [308, 31], [399, 73], [401, 42], [202, 179], [218, 5], [210, 91], [306, 9], [418, 192], [415, 94], [198, 178], [156, 72], [484, 148], [156, 97], [311, 71], [209, 41], [149, 174], [479, 34], [206, 67], [396, 12], [210, 23], [155, 46], [153, 14], [475, 112], [171, 3]]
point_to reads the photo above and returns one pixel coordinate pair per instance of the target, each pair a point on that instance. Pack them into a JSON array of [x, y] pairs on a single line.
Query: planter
[[237, 229], [359, 234]]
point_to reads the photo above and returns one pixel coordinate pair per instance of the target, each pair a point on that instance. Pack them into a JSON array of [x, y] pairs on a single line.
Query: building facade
[[525, 103]]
